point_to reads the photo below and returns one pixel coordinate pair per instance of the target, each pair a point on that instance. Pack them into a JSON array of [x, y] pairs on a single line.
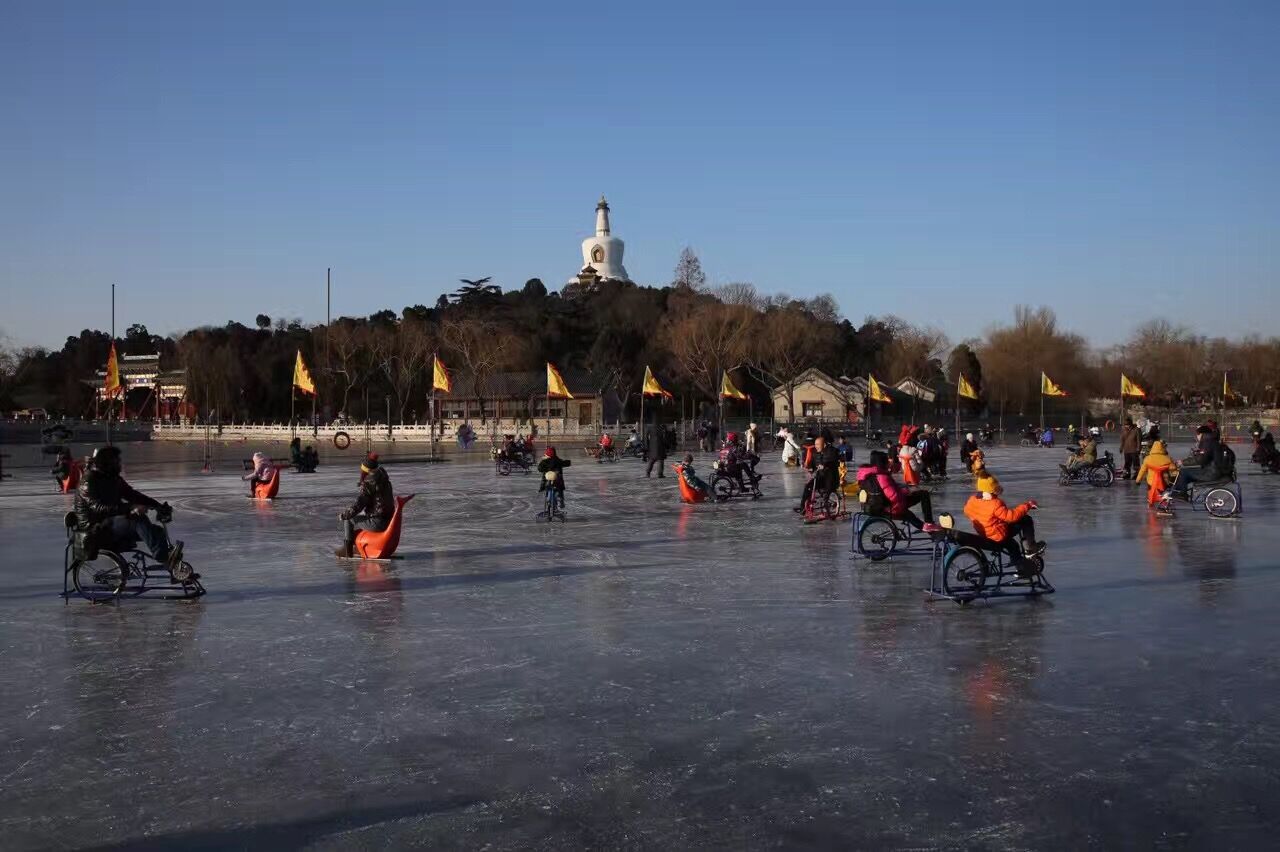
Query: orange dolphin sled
[[269, 489], [382, 545]]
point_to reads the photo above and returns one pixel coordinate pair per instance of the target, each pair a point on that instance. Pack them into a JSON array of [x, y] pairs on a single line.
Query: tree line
[[690, 334]]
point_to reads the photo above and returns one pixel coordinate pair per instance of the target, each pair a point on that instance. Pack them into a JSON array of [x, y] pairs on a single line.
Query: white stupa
[[602, 254]]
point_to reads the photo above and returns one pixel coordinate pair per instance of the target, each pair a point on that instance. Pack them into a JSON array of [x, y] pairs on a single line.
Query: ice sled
[[270, 488], [688, 493], [381, 545]]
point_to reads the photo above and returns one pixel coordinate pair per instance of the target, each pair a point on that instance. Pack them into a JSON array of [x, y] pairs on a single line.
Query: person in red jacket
[[886, 497], [996, 524]]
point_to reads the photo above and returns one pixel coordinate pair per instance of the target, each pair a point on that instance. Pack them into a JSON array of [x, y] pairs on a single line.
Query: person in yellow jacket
[[1159, 470]]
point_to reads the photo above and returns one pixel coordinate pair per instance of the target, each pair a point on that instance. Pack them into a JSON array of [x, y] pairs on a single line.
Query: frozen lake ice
[[647, 675]]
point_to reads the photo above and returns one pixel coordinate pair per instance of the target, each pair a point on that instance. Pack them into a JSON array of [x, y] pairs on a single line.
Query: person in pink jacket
[[262, 471], [886, 497]]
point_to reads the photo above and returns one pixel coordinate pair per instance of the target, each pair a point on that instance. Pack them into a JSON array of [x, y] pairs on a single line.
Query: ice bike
[[965, 567], [1221, 498], [824, 506], [551, 509], [725, 486], [602, 454], [505, 465], [121, 570], [877, 536], [1099, 474]]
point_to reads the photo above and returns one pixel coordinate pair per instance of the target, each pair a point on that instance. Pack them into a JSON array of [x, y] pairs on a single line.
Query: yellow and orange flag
[[874, 391], [1128, 387], [1227, 392], [440, 376], [964, 389], [728, 389], [651, 386], [1049, 388], [555, 383], [112, 385], [302, 376]]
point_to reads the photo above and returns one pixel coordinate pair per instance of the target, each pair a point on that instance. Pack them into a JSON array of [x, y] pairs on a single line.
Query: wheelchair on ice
[[966, 568], [121, 570], [877, 536]]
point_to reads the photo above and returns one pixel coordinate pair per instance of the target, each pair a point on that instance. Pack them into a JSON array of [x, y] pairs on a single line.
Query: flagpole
[[292, 400], [431, 412], [957, 432], [113, 343]]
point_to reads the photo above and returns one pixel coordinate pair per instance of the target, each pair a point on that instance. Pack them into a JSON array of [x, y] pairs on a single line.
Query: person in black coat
[[824, 465], [655, 449], [375, 504], [114, 514]]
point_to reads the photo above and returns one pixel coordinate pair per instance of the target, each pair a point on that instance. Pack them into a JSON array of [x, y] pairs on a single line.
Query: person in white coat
[[790, 449]]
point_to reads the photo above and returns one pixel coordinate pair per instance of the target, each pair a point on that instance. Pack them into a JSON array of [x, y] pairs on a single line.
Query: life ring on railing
[[1110, 425], [341, 440]]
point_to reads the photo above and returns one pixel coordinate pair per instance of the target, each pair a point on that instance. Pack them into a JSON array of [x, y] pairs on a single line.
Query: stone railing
[[445, 432]]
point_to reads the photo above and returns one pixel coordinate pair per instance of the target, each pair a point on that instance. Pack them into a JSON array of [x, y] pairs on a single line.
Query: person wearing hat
[[115, 514], [375, 504], [1159, 470], [552, 463], [997, 524], [263, 470]]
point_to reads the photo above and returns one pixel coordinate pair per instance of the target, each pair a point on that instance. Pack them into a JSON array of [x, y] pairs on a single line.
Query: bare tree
[[741, 293], [1013, 357], [785, 343], [350, 355], [401, 353], [707, 340], [484, 346], [913, 352], [689, 274]]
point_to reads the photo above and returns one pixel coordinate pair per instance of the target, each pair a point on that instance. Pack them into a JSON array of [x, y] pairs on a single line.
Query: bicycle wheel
[[101, 578], [877, 538], [504, 467], [964, 571], [722, 488], [1101, 476], [1221, 502]]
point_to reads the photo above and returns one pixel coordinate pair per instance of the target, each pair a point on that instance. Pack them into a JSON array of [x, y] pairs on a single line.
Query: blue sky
[[942, 161]]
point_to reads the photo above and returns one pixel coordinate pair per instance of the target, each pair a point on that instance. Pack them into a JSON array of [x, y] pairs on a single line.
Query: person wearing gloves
[[375, 504], [997, 524]]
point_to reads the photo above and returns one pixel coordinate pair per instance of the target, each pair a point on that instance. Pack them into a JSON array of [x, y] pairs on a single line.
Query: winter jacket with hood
[[1159, 470], [262, 468], [991, 517]]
